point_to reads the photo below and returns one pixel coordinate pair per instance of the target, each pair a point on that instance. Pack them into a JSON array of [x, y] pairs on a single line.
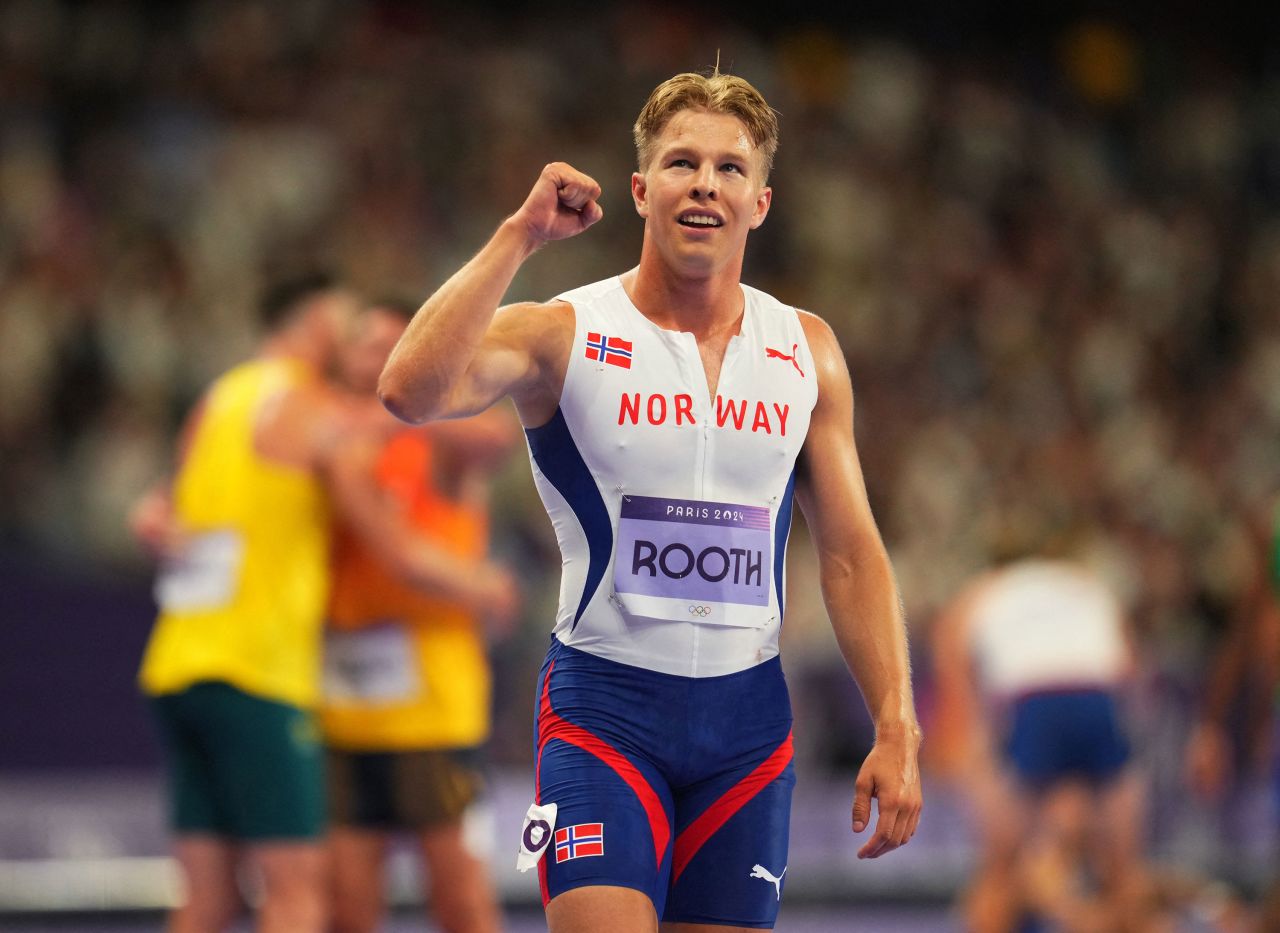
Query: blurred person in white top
[[1031, 659]]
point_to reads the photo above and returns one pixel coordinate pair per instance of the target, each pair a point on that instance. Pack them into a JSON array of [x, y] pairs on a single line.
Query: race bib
[[688, 560], [204, 576], [370, 665]]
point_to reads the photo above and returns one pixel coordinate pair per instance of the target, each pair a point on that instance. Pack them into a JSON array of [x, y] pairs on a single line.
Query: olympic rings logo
[[700, 611]]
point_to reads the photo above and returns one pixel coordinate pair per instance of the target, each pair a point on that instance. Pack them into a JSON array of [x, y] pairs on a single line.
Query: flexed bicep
[[524, 355]]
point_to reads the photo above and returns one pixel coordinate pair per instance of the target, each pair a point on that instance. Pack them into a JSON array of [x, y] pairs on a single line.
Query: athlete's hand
[[153, 523], [890, 775], [562, 204], [1207, 760]]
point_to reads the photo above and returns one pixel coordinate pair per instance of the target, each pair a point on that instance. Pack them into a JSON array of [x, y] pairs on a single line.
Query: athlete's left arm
[[861, 597], [482, 442], [152, 521], [152, 518]]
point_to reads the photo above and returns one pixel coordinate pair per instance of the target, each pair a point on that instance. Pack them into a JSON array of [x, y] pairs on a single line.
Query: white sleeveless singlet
[[1043, 625], [672, 506]]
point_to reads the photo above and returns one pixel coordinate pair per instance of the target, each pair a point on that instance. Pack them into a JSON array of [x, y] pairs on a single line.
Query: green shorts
[[241, 766], [408, 790]]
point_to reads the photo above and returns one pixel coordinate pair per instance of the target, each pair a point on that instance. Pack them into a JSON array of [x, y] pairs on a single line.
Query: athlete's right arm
[[152, 518], [456, 358], [335, 436], [479, 584], [960, 744], [153, 523]]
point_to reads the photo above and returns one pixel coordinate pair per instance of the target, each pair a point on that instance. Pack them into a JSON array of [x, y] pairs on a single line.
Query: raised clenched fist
[[562, 204]]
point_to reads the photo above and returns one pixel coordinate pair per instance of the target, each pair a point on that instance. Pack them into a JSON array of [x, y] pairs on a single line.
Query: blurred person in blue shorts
[[1030, 660]]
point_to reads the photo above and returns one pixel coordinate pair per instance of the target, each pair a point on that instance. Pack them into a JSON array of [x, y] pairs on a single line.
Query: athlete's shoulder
[[591, 292], [824, 346], [241, 375], [769, 307], [815, 325], [533, 323]]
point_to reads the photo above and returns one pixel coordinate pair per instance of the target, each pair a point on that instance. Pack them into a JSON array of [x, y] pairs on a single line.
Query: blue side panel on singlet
[[557, 456], [780, 532]]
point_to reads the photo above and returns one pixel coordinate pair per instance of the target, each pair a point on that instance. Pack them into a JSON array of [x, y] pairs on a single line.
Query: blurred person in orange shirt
[[233, 663], [406, 706]]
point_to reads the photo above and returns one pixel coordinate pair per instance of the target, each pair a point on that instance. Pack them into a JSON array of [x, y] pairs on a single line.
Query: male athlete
[[1032, 660], [671, 413], [1244, 681], [407, 683]]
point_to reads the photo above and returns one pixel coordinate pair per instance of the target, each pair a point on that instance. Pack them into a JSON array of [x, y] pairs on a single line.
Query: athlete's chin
[[698, 261]]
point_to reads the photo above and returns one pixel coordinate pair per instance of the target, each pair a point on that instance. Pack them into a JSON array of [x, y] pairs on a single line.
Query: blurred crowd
[[1056, 282]]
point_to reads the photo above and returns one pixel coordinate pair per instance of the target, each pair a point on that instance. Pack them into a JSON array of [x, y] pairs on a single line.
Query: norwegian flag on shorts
[[613, 350], [579, 841]]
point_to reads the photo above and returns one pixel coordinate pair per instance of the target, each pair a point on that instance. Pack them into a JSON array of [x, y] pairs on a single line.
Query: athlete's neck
[[703, 305]]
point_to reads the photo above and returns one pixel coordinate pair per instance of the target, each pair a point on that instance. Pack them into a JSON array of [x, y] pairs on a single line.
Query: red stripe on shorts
[[734, 799], [552, 726]]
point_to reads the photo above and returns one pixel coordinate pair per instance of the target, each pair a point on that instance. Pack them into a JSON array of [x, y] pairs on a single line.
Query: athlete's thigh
[[591, 909], [193, 797], [612, 821], [356, 877], [289, 869], [435, 787], [208, 865], [270, 768], [1035, 744], [603, 730], [730, 855], [733, 804]]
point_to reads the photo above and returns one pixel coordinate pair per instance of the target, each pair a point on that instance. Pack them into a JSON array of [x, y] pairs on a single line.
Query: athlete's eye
[[681, 163], [731, 167]]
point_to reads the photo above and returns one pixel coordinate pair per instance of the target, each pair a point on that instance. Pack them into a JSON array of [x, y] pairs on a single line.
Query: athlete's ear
[[763, 201], [640, 194]]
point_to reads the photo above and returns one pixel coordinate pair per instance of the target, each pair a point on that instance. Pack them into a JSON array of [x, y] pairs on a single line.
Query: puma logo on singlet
[[771, 354], [759, 871]]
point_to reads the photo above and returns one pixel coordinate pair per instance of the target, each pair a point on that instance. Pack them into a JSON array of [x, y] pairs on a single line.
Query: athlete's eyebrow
[[684, 150]]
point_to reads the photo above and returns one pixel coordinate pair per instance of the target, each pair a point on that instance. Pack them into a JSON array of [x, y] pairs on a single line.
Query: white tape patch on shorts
[[535, 835]]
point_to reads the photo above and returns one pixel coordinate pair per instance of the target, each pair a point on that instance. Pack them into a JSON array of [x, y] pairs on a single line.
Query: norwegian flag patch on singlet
[[612, 350]]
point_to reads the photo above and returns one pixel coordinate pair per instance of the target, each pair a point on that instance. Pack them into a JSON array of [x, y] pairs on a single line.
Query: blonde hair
[[717, 93]]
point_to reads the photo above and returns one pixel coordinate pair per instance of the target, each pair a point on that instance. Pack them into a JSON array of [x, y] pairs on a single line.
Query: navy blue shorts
[[675, 786], [1071, 734]]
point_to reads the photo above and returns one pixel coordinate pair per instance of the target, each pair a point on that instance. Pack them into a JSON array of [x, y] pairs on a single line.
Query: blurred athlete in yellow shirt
[[407, 689], [233, 663]]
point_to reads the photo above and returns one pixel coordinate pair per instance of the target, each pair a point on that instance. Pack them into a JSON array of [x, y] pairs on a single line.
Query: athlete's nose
[[704, 184]]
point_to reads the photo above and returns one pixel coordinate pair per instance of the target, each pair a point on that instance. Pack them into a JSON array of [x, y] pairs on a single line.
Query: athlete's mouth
[[699, 219]]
